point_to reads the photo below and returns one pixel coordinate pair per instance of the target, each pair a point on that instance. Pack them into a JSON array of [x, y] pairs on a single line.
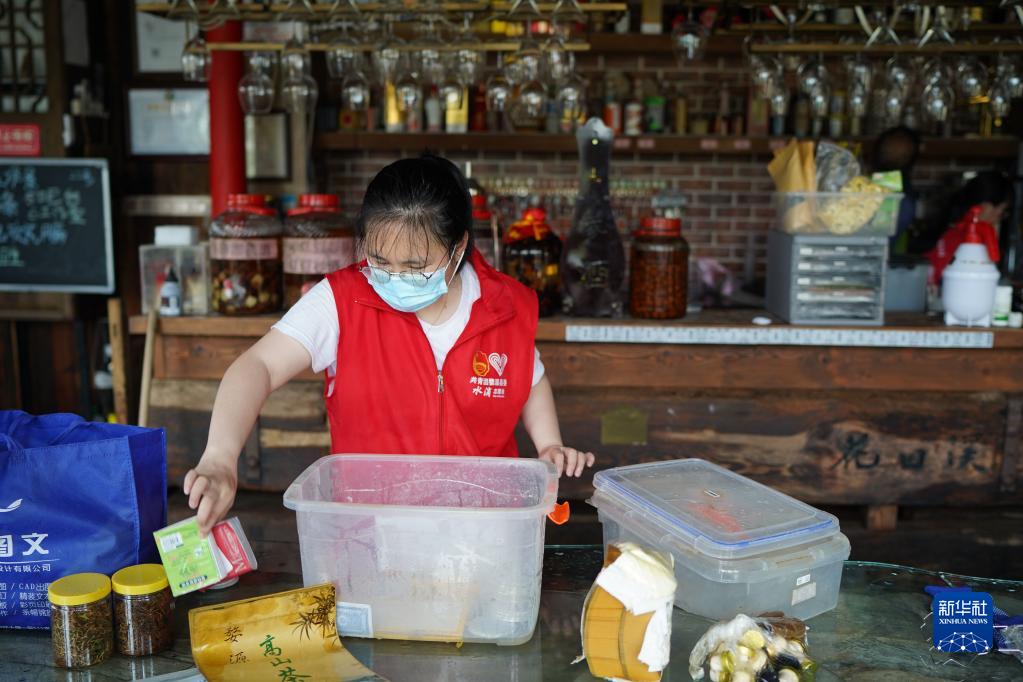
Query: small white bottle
[[1003, 306], [170, 295]]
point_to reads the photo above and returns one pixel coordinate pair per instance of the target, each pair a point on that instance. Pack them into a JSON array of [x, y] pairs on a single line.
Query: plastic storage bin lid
[[715, 511], [425, 484]]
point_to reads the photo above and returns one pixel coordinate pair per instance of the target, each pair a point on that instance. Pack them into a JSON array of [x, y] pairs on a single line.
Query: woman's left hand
[[568, 461]]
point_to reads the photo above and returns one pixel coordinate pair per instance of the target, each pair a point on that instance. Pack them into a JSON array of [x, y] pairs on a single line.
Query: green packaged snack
[[890, 180], [194, 563], [887, 215]]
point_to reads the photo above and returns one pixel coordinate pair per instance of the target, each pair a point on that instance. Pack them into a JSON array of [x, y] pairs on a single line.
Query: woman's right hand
[[254, 375], [211, 487]]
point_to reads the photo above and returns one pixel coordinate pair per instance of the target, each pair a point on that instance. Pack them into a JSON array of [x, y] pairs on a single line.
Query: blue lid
[[717, 511]]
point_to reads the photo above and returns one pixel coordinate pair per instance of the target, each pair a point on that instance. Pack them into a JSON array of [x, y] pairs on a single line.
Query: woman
[[897, 149], [988, 195], [427, 349]]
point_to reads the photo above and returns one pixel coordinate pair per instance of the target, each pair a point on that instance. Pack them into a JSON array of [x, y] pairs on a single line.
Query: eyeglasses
[[416, 279]]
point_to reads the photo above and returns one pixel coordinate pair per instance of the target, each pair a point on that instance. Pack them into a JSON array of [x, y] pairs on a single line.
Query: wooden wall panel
[[770, 367], [822, 447], [292, 429], [50, 377], [607, 365], [10, 380], [190, 357]]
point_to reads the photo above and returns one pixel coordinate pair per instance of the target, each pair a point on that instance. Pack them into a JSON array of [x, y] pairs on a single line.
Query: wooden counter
[[911, 413]]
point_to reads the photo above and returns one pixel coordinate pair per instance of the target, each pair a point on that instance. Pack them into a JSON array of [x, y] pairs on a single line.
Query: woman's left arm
[[540, 417]]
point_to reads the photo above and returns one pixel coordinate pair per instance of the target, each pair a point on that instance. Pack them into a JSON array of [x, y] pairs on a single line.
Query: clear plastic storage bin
[[191, 267], [427, 547], [739, 546], [843, 213]]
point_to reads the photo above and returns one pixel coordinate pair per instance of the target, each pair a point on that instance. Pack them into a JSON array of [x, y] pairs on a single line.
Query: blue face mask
[[409, 291]]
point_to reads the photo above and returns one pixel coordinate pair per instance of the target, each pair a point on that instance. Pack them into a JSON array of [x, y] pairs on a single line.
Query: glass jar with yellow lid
[[143, 610], [81, 620]]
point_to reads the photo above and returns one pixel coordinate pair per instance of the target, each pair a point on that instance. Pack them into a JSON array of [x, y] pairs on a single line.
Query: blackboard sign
[[55, 226]]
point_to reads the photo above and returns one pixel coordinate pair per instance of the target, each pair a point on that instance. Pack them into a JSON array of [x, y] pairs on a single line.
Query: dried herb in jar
[[144, 610], [145, 625], [81, 620]]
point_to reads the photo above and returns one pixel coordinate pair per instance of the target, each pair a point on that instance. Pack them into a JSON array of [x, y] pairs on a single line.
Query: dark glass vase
[[593, 259]]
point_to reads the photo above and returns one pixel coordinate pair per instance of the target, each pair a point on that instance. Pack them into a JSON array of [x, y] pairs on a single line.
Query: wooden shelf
[[904, 48], [903, 28], [250, 11], [979, 148], [553, 329], [644, 44], [465, 142]]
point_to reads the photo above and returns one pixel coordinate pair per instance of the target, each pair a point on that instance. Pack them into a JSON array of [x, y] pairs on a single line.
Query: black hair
[[991, 187], [424, 196], [896, 149]]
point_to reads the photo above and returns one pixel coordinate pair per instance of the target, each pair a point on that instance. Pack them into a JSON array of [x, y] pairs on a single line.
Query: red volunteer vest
[[388, 396]]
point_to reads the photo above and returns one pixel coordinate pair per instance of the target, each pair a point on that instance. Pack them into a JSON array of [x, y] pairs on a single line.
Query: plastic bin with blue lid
[[739, 546]]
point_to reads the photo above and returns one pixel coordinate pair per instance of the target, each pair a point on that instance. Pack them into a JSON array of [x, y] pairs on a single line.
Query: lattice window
[[22, 57]]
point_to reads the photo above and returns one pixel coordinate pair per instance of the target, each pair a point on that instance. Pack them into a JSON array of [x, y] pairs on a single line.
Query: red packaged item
[[970, 229], [234, 549], [194, 562]]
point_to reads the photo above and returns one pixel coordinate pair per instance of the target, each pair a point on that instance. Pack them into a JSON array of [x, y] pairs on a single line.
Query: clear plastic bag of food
[[836, 166], [768, 648]]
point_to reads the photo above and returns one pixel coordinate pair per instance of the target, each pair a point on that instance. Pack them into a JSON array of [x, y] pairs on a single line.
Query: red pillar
[[227, 122]]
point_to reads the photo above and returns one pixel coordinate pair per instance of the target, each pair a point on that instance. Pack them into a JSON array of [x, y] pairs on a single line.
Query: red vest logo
[[483, 363], [480, 364], [489, 386], [498, 362]]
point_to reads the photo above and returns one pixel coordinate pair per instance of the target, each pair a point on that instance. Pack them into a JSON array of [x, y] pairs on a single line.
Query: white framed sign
[[173, 121], [158, 43]]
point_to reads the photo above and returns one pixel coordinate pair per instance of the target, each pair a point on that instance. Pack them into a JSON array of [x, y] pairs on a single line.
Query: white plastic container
[[968, 287], [739, 546], [427, 547]]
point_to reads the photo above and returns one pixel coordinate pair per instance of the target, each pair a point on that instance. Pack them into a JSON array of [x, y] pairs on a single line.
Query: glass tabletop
[[879, 631]]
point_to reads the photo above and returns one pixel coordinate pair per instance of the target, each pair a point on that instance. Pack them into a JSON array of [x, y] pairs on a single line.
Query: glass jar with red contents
[[659, 269], [532, 255], [245, 257], [318, 240]]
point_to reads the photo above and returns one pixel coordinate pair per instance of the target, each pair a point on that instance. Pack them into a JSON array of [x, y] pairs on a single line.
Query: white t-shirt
[[313, 322]]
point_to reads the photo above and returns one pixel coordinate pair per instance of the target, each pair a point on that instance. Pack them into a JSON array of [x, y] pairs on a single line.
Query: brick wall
[[729, 196], [729, 207]]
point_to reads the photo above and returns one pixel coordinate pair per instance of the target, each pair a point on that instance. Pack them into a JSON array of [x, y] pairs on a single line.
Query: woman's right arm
[[262, 369]]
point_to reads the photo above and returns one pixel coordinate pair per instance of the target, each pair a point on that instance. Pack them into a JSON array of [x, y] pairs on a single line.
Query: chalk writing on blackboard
[[55, 229]]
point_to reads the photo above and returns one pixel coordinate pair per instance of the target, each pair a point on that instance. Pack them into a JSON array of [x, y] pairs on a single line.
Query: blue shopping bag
[[75, 496]]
